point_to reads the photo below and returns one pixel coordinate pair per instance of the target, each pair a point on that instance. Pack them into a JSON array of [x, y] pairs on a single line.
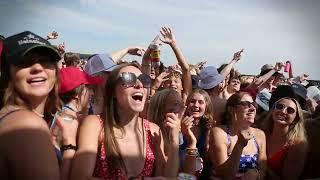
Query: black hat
[[18, 45]]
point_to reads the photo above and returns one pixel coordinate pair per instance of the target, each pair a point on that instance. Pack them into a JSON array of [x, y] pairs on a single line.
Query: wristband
[[67, 147], [192, 152]]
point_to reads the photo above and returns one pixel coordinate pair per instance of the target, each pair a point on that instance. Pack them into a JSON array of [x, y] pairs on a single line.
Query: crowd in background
[[66, 115]]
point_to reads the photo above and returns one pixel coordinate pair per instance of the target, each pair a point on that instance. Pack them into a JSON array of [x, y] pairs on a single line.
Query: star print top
[[247, 161]]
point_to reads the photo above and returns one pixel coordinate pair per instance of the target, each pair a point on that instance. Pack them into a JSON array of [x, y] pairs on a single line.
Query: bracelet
[[67, 147], [192, 152]]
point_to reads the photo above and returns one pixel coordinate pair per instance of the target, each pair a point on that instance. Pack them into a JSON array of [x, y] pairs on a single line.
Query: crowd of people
[[67, 116]]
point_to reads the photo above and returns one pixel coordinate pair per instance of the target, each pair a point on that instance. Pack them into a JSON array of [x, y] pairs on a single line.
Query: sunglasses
[[129, 79], [279, 106], [247, 104]]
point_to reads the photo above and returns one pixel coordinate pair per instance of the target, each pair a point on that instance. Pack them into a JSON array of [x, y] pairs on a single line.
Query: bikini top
[[247, 161]]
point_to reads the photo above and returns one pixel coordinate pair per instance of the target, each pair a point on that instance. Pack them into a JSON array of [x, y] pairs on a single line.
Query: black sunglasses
[[129, 79], [247, 104], [279, 106]]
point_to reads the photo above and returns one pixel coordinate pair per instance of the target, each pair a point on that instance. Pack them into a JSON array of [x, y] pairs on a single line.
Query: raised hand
[[237, 55], [61, 48], [69, 127], [136, 51], [244, 136], [167, 35], [172, 122], [160, 79], [186, 125], [278, 66], [52, 35]]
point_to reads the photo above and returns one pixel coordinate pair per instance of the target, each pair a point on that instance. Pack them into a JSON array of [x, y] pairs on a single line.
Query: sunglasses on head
[[129, 79], [279, 106], [247, 104]]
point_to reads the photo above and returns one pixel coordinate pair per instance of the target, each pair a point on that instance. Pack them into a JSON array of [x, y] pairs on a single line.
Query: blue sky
[[211, 30]]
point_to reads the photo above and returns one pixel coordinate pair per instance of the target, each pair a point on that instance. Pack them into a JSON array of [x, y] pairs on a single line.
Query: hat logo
[[30, 38]]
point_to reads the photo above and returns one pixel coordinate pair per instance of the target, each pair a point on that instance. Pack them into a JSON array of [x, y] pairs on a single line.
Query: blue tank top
[[247, 161]]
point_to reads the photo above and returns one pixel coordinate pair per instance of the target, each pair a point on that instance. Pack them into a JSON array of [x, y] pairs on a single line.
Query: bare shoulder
[[92, 122], [259, 133], [218, 131], [24, 119], [154, 128]]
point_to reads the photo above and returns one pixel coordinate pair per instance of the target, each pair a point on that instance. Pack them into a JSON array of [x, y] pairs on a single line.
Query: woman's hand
[[172, 121], [167, 36], [68, 129], [186, 125], [244, 136]]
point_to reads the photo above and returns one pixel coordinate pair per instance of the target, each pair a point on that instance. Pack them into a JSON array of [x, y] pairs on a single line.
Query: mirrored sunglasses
[[279, 106], [129, 79]]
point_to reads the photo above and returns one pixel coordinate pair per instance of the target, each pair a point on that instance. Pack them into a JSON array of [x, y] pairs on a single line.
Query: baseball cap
[[18, 45], [73, 77], [98, 63], [209, 78]]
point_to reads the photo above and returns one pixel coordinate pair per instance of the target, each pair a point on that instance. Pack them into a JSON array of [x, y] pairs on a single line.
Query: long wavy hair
[[111, 119], [297, 132], [206, 120], [12, 97], [156, 109]]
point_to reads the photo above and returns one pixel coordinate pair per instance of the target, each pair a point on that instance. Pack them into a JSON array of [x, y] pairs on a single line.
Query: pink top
[[102, 170]]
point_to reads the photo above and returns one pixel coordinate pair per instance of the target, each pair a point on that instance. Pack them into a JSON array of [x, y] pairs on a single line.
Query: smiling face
[[35, 79], [196, 106], [245, 111], [131, 98], [284, 112], [174, 82]]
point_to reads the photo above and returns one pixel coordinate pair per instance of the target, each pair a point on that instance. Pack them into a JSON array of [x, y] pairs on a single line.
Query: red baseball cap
[[73, 77]]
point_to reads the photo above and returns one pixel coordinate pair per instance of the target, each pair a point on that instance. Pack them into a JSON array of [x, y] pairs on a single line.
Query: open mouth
[[36, 80], [137, 96]]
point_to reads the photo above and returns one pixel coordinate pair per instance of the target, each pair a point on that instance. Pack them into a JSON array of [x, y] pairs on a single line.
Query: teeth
[[38, 79], [137, 94]]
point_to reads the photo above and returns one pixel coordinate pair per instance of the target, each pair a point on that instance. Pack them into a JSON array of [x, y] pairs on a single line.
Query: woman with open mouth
[[199, 122], [29, 92], [119, 144]]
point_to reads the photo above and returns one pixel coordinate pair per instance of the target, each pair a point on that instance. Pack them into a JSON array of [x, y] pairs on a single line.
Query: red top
[[102, 170], [275, 162]]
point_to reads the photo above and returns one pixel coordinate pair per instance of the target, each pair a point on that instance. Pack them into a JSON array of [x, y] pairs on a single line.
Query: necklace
[[40, 115]]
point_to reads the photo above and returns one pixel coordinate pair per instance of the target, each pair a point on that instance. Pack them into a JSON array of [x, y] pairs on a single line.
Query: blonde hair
[[297, 132], [156, 109]]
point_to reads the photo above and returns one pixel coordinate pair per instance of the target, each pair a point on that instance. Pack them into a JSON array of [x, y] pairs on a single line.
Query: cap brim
[[55, 54], [213, 84], [111, 68], [94, 80]]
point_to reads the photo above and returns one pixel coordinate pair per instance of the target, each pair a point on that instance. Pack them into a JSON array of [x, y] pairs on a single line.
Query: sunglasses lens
[[128, 79], [145, 80], [290, 110]]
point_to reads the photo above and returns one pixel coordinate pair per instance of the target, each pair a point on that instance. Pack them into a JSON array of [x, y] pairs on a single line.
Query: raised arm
[[262, 79], [84, 160], [236, 57], [118, 55], [169, 38]]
